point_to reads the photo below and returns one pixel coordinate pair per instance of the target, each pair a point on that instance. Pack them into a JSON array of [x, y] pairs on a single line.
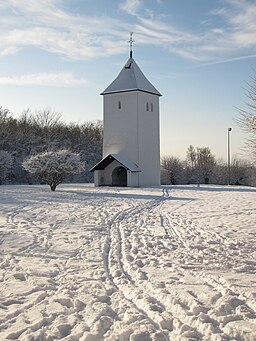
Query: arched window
[[119, 105], [151, 107], [147, 106]]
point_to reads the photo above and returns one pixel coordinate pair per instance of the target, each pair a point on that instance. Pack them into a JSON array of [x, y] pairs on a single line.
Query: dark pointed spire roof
[[129, 79]]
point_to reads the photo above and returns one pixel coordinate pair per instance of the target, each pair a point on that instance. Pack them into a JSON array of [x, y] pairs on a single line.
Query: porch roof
[[129, 165]]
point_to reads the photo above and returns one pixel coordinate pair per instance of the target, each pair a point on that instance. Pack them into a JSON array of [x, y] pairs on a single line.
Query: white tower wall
[[131, 128], [120, 125], [148, 139]]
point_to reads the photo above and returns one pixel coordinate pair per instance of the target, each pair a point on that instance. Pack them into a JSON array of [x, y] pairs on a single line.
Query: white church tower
[[131, 143]]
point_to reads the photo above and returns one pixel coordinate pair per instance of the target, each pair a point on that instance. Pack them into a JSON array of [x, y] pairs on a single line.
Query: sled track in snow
[[126, 285], [151, 302], [168, 311]]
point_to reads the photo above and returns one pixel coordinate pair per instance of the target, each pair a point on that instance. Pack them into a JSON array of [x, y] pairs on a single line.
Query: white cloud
[[240, 28], [9, 50], [131, 6], [45, 79], [234, 38], [45, 25], [227, 60]]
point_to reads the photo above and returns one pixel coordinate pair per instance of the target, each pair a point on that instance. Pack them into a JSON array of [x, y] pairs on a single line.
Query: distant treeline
[[44, 130], [201, 167], [34, 132]]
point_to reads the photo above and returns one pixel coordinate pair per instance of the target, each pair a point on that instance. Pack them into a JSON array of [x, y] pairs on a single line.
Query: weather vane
[[131, 41]]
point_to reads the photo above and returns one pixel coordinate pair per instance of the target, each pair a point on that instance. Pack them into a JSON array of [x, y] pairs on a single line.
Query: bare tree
[[191, 156], [4, 113], [199, 164], [175, 168], [247, 118], [205, 163], [5, 165], [47, 118], [191, 171], [7, 128]]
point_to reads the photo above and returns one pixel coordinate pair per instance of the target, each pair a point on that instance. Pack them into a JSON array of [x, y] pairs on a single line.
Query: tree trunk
[[53, 187]]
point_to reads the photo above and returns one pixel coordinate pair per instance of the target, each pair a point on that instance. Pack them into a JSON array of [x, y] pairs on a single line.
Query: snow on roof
[[110, 158], [131, 78]]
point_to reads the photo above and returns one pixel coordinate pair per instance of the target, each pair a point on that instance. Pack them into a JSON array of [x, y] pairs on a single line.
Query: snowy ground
[[94, 264]]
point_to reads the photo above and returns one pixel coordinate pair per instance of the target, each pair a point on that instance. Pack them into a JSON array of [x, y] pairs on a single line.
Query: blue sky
[[198, 53]]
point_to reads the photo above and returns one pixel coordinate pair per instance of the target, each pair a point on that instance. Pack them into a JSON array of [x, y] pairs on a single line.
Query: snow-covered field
[[94, 264]]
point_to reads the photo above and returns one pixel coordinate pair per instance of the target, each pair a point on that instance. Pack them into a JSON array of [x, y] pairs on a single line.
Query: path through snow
[[94, 264]]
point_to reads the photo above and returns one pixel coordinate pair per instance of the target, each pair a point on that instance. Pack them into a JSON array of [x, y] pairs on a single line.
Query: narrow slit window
[[147, 106], [151, 107], [119, 105]]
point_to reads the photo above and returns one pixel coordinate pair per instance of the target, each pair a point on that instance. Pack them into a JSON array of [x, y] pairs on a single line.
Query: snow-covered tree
[[52, 167], [5, 164], [37, 131]]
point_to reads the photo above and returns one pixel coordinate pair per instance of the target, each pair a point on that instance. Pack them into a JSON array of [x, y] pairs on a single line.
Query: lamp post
[[229, 130]]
